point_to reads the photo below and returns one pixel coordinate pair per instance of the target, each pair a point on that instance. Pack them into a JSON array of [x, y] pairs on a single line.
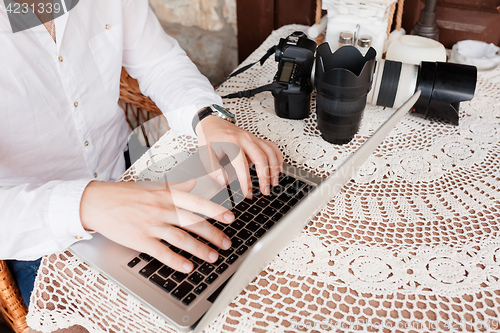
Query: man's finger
[[196, 204], [240, 165], [211, 163]]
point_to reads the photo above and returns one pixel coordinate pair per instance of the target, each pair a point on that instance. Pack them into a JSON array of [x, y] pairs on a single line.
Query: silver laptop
[[264, 226]]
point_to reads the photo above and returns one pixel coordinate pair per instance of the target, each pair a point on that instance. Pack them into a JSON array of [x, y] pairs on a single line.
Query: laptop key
[[236, 243], [276, 217], [175, 249], [284, 197], [300, 183], [197, 260], [236, 213], [260, 219], [219, 226], [244, 234], [158, 280], [188, 299], [263, 202], [165, 271], [169, 285], [276, 204], [276, 190], [220, 197], [219, 261], [253, 171], [293, 201], [292, 190], [254, 210], [230, 232], [227, 204], [238, 224], [251, 241], [286, 180], [206, 268], [246, 217], [269, 224], [186, 254], [182, 290], [145, 257], [211, 278], [242, 206], [178, 276], [269, 211], [253, 226], [150, 268], [198, 290], [227, 252], [222, 268], [259, 233], [232, 259], [132, 263], [285, 209], [238, 197], [242, 249], [195, 278]]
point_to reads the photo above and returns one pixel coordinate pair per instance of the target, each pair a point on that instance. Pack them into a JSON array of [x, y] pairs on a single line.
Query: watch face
[[223, 111]]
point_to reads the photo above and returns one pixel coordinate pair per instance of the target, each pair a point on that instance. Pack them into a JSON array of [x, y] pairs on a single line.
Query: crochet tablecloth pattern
[[411, 244]]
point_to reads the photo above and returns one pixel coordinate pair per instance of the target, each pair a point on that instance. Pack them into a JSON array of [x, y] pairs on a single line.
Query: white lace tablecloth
[[412, 244]]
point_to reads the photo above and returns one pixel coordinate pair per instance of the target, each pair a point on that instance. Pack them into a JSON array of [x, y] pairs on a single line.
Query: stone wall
[[206, 30]]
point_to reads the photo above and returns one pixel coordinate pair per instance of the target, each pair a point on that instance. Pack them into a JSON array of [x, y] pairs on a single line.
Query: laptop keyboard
[[254, 217]]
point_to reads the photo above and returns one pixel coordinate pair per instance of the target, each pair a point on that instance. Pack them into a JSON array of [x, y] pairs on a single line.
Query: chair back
[[12, 307]]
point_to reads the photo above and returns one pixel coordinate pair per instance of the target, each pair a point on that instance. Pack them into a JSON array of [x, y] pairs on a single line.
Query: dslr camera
[[295, 57]]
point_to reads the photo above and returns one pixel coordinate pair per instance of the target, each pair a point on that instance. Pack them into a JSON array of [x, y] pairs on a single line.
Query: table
[[411, 244]]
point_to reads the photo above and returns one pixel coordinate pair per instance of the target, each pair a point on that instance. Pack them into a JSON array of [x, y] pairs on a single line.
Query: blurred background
[[219, 34]]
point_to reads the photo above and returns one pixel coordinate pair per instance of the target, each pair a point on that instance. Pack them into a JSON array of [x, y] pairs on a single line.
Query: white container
[[412, 49]]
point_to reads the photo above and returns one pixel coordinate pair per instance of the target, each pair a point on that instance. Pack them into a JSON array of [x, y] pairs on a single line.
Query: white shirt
[[61, 126]]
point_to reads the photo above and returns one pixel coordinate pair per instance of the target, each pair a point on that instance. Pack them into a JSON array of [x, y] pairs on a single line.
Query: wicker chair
[[138, 109], [12, 307]]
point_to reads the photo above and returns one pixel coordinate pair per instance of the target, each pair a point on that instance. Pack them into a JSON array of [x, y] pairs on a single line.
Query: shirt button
[[86, 143], [78, 237], [61, 59], [108, 27], [75, 104], [95, 174]]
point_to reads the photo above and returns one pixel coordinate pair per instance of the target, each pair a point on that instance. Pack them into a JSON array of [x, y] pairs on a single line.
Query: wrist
[[212, 110]]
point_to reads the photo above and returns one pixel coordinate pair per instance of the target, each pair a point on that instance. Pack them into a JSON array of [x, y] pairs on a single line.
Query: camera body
[[295, 57]]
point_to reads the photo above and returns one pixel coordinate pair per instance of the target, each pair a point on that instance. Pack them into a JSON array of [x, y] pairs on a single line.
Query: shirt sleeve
[[37, 220], [164, 71]]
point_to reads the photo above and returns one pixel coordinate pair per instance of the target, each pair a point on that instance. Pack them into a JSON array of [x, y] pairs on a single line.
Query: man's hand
[[264, 154], [139, 217]]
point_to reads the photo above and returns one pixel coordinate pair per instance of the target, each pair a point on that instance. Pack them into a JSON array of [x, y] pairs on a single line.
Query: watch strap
[[201, 115]]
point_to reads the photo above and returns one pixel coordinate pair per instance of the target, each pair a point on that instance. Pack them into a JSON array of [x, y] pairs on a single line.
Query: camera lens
[[343, 80], [443, 86]]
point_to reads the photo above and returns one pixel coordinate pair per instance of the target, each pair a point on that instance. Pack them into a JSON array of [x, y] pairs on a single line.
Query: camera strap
[[275, 87], [262, 60]]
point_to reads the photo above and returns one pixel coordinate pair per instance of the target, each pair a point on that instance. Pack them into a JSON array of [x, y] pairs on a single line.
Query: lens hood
[[345, 74], [342, 80], [444, 85]]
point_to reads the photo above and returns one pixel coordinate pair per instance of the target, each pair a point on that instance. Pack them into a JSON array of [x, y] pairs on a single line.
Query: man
[[62, 135]]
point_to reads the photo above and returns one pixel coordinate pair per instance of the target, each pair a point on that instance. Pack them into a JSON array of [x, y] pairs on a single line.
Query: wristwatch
[[213, 110]]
